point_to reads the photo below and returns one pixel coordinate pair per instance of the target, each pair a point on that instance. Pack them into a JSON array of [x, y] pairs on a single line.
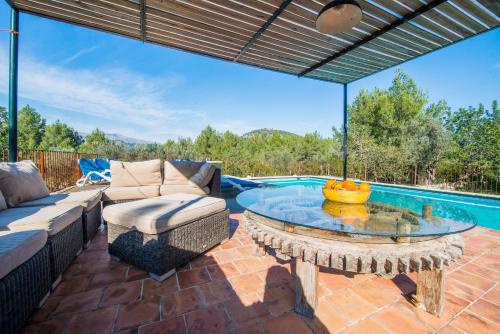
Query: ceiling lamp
[[338, 16]]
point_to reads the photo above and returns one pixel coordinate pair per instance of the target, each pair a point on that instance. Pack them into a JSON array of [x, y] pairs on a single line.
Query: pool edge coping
[[453, 192]]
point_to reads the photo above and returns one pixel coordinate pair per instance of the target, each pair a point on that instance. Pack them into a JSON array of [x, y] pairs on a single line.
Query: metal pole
[[13, 62], [345, 132]]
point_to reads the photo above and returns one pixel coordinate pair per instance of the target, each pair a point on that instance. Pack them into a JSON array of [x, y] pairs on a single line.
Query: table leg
[[260, 249], [306, 287], [430, 291]]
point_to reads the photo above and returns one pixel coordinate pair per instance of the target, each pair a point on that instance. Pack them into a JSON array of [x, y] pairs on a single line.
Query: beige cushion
[[133, 174], [18, 247], [183, 188], [21, 182], [87, 199], [179, 172], [52, 218], [130, 193], [157, 215], [3, 204]]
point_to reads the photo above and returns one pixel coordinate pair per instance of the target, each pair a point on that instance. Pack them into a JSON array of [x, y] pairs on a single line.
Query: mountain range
[[118, 138], [267, 131], [130, 141]]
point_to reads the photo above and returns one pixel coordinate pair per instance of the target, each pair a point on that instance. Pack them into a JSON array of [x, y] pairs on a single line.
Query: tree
[[392, 133], [207, 143], [4, 127], [59, 136], [95, 142], [31, 127], [476, 136]]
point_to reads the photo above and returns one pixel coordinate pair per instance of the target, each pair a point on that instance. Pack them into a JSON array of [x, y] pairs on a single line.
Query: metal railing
[[486, 180], [59, 169]]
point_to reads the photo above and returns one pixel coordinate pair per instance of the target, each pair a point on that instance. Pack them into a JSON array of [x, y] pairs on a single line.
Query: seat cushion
[[21, 182], [183, 188], [18, 247], [52, 218], [130, 193], [87, 199], [133, 174], [157, 215]]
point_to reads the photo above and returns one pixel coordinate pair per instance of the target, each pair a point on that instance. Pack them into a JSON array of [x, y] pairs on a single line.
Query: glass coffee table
[[297, 222]]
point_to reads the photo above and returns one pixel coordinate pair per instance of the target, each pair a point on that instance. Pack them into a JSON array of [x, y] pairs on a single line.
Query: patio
[[230, 290]]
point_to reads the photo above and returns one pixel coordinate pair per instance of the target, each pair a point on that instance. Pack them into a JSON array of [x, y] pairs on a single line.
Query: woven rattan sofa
[[24, 276], [40, 235], [162, 233], [22, 183], [131, 181]]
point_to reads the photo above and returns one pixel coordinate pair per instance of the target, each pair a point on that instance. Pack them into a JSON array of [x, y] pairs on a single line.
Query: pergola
[[278, 35]]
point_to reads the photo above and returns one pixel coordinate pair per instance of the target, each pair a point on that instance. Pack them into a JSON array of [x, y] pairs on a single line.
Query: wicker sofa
[[40, 235], [171, 216], [22, 183], [131, 181], [24, 276]]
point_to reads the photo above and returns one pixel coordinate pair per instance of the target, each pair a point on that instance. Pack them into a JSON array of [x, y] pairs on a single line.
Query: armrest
[[215, 183]]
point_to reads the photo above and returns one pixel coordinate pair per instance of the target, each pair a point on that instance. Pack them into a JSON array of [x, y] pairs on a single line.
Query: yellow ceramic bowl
[[346, 196], [349, 213]]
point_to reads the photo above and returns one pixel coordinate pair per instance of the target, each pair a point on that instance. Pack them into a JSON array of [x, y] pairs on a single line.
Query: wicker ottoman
[[162, 233]]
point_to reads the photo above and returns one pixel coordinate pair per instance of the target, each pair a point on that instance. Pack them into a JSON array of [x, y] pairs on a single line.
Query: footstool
[[162, 233]]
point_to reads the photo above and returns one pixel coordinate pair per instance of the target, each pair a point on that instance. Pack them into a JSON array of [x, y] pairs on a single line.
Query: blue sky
[[88, 78]]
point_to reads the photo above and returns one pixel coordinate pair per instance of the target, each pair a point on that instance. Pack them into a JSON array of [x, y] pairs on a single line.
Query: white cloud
[[80, 53], [117, 96]]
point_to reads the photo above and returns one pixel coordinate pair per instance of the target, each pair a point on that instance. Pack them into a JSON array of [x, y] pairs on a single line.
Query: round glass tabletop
[[305, 206]]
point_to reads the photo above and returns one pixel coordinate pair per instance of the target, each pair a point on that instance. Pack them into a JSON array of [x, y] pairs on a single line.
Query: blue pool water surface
[[486, 210]]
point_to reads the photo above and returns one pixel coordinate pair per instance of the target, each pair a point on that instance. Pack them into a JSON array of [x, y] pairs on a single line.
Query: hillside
[[266, 131], [118, 138]]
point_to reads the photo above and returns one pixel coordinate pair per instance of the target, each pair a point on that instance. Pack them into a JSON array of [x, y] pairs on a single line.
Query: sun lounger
[[91, 173]]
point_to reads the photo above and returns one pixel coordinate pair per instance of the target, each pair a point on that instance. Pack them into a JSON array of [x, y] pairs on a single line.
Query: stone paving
[[230, 290]]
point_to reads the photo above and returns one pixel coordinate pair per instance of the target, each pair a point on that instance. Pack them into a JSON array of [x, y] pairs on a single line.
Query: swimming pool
[[486, 210]]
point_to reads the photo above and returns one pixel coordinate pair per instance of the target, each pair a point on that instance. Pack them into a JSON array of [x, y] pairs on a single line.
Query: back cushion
[[21, 182], [133, 174], [204, 175], [3, 204], [179, 172]]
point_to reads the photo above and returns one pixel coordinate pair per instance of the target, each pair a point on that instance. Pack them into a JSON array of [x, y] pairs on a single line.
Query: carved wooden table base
[[428, 258]]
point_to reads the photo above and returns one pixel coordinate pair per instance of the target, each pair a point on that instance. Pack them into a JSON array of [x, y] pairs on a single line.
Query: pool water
[[486, 210]]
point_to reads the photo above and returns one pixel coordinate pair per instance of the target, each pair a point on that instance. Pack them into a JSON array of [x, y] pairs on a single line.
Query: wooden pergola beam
[[266, 25], [378, 33]]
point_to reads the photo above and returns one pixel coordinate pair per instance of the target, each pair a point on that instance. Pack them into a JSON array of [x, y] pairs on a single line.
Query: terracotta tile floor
[[229, 290]]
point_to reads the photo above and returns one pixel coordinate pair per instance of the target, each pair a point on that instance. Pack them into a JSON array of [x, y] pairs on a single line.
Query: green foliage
[[476, 136], [392, 133], [95, 142], [31, 127], [4, 127], [59, 136]]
